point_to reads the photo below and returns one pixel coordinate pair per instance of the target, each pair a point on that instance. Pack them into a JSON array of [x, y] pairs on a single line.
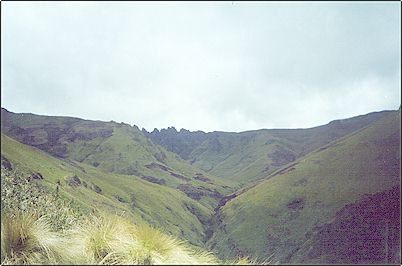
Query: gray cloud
[[207, 66]]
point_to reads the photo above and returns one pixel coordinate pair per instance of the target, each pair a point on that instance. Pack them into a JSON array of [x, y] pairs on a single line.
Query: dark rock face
[[224, 200], [167, 169], [281, 157], [96, 189], [6, 163], [52, 134], [181, 143], [37, 176], [197, 193], [365, 232], [296, 204], [74, 181], [158, 166], [191, 192], [57, 150], [121, 199], [153, 179], [179, 176], [17, 130], [86, 136], [202, 178]]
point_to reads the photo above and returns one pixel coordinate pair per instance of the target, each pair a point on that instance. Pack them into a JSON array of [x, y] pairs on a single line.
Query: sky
[[210, 66]]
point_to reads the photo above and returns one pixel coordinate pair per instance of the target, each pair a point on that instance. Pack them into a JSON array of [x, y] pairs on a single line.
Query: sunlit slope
[[113, 147], [252, 155], [278, 215], [159, 205]]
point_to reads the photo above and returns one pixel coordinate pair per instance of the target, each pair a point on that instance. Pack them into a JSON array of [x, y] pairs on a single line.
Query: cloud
[[202, 66]]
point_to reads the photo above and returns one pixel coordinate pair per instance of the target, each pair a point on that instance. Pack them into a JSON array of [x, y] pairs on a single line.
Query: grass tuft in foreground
[[38, 227], [26, 239]]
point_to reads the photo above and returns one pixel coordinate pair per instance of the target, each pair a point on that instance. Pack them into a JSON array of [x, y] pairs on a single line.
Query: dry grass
[[27, 239], [113, 240], [62, 236]]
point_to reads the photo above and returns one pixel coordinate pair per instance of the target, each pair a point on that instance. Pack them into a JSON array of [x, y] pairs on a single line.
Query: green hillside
[[94, 189], [252, 155], [364, 232], [114, 147], [281, 213], [41, 227], [279, 194]]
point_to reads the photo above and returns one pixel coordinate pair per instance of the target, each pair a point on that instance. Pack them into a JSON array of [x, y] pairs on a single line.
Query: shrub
[[18, 195], [74, 181], [96, 188], [121, 199]]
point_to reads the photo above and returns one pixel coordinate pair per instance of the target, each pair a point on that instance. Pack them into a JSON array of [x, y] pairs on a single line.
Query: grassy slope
[[161, 206], [364, 232], [112, 147], [252, 155], [276, 215]]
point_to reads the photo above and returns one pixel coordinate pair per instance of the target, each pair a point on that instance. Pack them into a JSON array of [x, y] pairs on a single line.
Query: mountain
[[181, 142], [94, 189], [116, 148], [252, 155], [364, 232], [327, 194], [113, 167], [296, 211]]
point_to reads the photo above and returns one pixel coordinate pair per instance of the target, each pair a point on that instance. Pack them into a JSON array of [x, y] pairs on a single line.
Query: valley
[[273, 195]]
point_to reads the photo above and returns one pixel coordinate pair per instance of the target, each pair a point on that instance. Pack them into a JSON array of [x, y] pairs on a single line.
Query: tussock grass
[[40, 228], [95, 241], [113, 240], [27, 239]]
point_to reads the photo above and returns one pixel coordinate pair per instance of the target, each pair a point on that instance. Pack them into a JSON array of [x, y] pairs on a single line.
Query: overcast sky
[[201, 66]]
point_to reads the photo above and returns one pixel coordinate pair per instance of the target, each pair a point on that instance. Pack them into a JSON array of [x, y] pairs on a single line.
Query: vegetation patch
[[296, 204], [192, 192], [121, 199], [364, 232], [74, 181], [301, 182], [6, 163], [197, 193], [281, 157], [152, 179], [158, 166], [37, 176], [179, 176], [285, 170], [96, 188], [202, 178]]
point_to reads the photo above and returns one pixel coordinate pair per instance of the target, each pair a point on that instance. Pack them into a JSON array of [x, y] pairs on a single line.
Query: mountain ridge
[[233, 188], [273, 216], [251, 155]]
